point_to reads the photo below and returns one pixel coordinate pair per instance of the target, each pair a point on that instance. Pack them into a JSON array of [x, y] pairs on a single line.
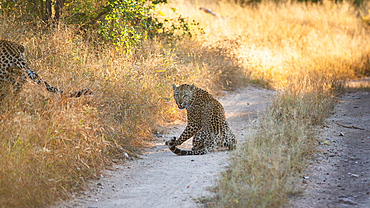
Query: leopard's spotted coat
[[206, 122]]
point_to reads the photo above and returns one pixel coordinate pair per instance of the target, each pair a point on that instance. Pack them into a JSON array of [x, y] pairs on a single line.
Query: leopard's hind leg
[[198, 140]]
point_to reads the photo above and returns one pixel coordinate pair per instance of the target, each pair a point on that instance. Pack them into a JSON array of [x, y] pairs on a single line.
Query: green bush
[[124, 23]]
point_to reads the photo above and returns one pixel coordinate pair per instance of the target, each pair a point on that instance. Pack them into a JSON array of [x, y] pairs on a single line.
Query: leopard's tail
[[35, 77], [202, 151], [181, 152]]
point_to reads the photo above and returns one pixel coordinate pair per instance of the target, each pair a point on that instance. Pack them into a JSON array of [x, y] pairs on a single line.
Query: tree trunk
[[48, 11], [42, 11], [58, 9]]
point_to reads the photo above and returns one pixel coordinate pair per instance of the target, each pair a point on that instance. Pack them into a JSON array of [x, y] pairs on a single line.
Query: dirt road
[[339, 176], [162, 179]]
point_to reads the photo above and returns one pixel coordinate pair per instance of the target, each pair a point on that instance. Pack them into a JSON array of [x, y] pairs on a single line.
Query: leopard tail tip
[[81, 92]]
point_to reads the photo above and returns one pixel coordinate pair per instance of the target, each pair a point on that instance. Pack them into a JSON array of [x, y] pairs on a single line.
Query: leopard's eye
[[175, 95]]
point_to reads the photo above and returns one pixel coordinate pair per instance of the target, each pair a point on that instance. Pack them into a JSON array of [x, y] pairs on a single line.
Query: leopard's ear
[[21, 48], [174, 87], [192, 86]]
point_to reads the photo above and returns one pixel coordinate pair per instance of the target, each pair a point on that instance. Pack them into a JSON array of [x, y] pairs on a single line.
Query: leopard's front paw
[[171, 142]]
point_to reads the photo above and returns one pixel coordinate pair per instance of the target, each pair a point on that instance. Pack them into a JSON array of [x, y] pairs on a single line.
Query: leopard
[[14, 71], [206, 122]]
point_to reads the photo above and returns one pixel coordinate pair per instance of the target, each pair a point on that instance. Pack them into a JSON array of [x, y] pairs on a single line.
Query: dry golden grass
[[262, 171], [303, 51], [50, 145], [275, 42]]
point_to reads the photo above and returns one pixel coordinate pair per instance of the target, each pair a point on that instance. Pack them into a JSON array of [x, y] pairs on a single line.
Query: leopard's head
[[184, 95]]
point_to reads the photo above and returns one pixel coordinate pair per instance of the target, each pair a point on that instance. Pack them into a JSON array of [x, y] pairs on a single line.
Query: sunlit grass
[[306, 52], [277, 41], [50, 145], [262, 171]]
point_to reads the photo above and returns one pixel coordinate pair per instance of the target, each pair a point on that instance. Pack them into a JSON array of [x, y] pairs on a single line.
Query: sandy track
[[163, 179], [339, 176]]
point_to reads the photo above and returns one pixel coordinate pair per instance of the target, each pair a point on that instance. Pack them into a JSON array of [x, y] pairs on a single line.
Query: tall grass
[[277, 41], [303, 51], [50, 145], [263, 170], [306, 52]]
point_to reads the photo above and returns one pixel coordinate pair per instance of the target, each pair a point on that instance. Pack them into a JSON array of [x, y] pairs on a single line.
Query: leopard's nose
[[180, 105]]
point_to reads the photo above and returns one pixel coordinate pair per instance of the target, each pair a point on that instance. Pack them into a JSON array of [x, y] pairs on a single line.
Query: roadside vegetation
[[306, 52], [50, 145]]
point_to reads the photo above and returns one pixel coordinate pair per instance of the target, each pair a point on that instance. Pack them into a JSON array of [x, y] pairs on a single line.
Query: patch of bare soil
[[340, 174], [163, 179]]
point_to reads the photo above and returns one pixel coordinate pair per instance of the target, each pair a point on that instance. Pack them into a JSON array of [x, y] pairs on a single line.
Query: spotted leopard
[[206, 122], [14, 71]]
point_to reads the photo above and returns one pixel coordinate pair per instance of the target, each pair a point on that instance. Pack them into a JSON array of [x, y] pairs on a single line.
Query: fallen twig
[[350, 127], [208, 11]]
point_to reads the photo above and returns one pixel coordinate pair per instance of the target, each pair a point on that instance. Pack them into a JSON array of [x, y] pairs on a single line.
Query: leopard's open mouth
[[181, 106]]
